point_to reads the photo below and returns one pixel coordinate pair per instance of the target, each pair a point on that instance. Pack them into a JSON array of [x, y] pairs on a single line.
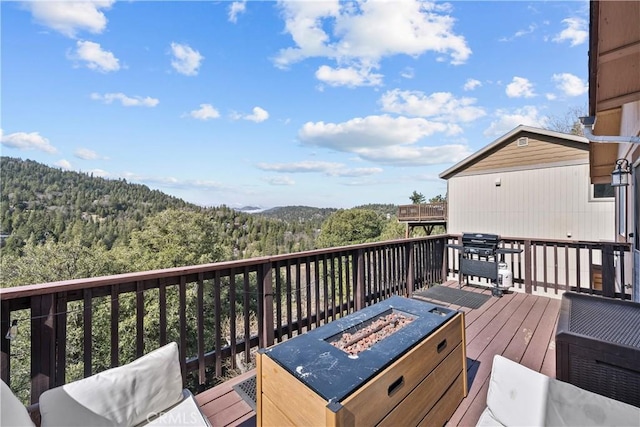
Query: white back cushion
[[12, 411], [517, 395], [126, 395]]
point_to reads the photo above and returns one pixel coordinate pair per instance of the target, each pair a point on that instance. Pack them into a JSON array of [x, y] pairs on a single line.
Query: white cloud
[[236, 8], [551, 96], [415, 155], [86, 154], [172, 182], [576, 32], [299, 167], [348, 76], [520, 88], [94, 57], [326, 168], [63, 164], [126, 101], [472, 84], [205, 112], [280, 180], [358, 35], [570, 85], [440, 106], [70, 17], [508, 120], [530, 29], [27, 141], [185, 59], [259, 115], [384, 139]]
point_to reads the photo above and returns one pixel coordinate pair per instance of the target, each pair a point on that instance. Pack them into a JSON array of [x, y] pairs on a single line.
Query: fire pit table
[[398, 362]]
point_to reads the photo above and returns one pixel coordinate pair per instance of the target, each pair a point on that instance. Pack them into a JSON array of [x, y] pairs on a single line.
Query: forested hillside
[[59, 225]]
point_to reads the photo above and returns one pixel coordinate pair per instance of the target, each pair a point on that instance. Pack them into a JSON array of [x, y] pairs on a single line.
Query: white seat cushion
[[519, 396], [516, 393], [122, 396], [12, 411]]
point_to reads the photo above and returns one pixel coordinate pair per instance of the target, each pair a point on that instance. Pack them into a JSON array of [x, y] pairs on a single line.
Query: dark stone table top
[[334, 374]]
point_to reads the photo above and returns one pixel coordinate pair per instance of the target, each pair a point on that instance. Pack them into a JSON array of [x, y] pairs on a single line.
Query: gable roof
[[552, 136]]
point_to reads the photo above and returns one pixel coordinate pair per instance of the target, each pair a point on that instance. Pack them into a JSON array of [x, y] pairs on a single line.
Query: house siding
[[536, 152], [542, 202]]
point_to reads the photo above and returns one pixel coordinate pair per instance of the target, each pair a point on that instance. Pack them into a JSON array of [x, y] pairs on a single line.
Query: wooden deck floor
[[518, 326]]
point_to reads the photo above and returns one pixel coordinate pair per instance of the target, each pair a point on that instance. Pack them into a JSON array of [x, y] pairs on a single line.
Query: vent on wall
[[523, 142]]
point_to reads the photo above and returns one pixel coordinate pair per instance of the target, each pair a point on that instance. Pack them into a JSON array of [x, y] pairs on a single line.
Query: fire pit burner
[[364, 335]]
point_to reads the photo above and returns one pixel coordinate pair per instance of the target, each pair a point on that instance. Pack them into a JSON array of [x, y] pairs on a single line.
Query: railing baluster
[[140, 313], [278, 300], [555, 268], [299, 297], [341, 290], [162, 301], [218, 322], [544, 265], [325, 287], [289, 291], [87, 325], [115, 324], [61, 339], [182, 291], [247, 326], [334, 307], [307, 275], [316, 288], [232, 316], [567, 285], [590, 270], [200, 326]]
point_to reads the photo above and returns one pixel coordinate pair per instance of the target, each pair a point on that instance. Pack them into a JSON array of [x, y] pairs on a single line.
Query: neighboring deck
[[518, 326]]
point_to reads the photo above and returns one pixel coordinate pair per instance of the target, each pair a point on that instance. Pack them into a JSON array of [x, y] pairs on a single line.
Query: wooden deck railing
[[423, 212], [555, 266], [215, 312], [219, 312]]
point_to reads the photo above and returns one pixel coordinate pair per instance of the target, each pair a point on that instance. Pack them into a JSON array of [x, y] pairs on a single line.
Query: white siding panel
[[547, 203]]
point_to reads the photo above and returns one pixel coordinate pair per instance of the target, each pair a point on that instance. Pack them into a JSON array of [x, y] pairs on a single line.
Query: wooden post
[[445, 258], [608, 271], [267, 303], [410, 270], [527, 266], [5, 344], [42, 344]]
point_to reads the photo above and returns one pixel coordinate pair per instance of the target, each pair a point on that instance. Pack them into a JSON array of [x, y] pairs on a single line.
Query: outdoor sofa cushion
[[519, 396], [12, 411], [124, 396]]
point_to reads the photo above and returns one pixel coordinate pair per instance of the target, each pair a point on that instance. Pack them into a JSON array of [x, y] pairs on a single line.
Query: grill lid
[[480, 240]]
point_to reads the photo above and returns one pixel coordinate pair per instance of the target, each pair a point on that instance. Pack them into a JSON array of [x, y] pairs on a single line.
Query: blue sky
[[318, 103]]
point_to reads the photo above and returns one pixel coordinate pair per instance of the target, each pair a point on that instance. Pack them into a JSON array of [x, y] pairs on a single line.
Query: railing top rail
[[96, 282]]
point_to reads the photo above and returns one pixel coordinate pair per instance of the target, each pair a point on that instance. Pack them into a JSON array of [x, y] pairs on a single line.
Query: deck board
[[518, 326]]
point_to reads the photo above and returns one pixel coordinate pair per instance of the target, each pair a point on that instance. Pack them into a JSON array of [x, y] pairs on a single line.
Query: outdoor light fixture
[[620, 175]]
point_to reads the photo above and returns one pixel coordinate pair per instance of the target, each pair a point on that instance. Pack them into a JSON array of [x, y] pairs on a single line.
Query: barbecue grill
[[478, 256]]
